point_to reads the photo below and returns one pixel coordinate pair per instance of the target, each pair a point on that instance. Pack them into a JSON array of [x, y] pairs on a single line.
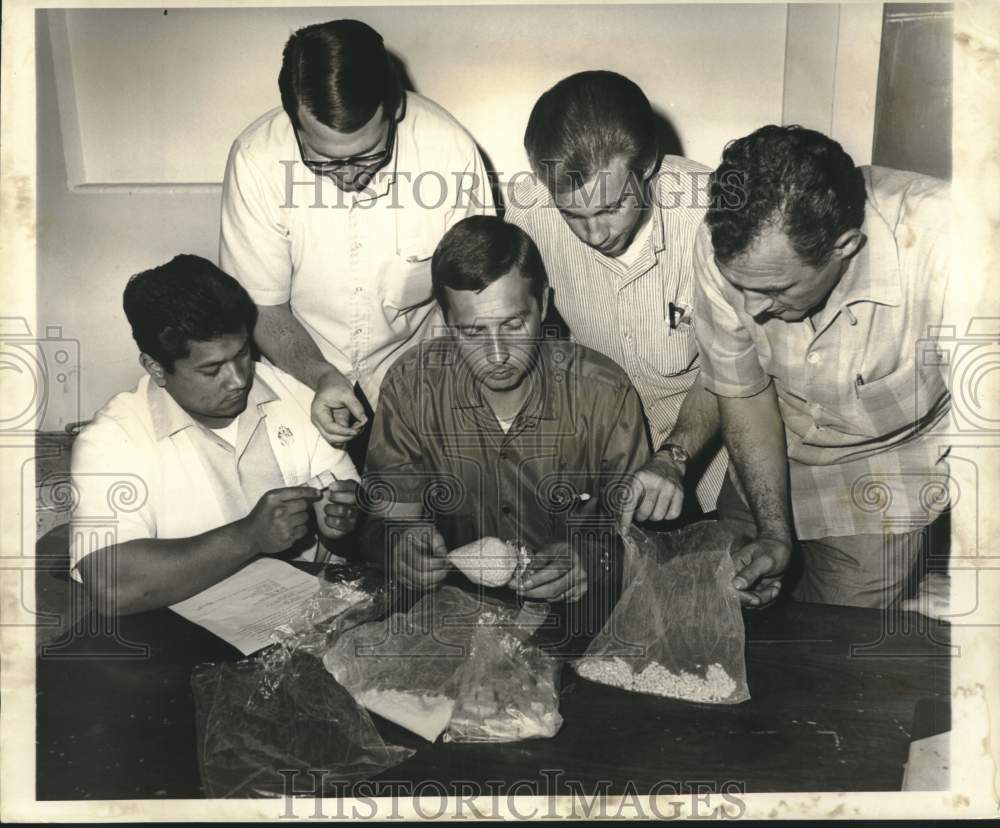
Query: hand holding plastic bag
[[677, 629]]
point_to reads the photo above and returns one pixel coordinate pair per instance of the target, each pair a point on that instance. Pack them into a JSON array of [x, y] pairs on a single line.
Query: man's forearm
[[698, 420], [285, 341], [149, 574], [754, 433]]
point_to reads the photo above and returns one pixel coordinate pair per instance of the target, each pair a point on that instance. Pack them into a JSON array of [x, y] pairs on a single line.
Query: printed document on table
[[246, 607]]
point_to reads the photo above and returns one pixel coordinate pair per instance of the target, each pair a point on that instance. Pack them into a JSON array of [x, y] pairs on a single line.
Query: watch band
[[677, 453]]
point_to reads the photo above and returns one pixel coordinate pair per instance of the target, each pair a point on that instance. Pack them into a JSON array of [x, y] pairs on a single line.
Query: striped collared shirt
[[625, 312], [861, 387]]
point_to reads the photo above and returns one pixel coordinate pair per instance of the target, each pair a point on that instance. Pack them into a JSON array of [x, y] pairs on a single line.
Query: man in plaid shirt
[[818, 284]]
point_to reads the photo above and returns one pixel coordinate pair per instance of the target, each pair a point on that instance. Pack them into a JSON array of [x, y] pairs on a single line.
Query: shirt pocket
[[899, 401], [405, 282], [664, 350], [667, 352]]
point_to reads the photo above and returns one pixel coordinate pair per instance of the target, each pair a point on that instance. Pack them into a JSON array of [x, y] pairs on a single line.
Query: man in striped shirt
[[822, 289], [616, 225]]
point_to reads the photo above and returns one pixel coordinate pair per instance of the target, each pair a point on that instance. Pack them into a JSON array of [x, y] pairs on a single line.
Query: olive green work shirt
[[555, 474]]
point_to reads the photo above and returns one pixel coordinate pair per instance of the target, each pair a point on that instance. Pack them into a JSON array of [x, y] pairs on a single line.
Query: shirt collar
[[653, 246], [873, 274], [659, 233], [169, 418], [542, 404]]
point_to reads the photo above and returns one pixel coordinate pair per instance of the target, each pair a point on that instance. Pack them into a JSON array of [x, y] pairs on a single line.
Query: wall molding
[[831, 71]]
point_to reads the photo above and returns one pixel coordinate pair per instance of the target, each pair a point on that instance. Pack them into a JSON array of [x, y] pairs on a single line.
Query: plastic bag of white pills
[[677, 629]]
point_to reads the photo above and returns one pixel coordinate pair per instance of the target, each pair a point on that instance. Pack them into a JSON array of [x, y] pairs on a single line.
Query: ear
[[400, 112], [650, 169], [154, 369], [545, 302], [848, 243]]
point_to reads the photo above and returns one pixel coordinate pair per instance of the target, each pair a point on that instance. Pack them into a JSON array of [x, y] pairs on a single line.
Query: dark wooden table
[[833, 689]]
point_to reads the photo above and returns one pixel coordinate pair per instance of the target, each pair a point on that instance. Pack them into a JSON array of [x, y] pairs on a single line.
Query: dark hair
[[791, 177], [187, 299], [583, 122], [478, 250], [341, 72]]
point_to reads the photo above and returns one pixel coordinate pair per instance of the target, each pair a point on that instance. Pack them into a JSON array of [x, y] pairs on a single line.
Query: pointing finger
[[628, 509]]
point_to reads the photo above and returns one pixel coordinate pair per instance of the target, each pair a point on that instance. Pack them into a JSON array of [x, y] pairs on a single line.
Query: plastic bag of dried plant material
[[677, 629], [280, 716], [406, 667], [508, 689]]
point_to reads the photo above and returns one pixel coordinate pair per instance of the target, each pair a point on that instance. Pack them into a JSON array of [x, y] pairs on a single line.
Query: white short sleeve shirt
[[355, 268], [144, 469]]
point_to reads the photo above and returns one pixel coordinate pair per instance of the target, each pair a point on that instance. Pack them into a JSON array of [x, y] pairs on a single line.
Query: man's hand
[[336, 410], [337, 512], [420, 557], [280, 518], [556, 574], [656, 492], [759, 565]]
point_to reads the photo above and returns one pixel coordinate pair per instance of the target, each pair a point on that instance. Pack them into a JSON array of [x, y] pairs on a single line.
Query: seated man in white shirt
[[205, 465]]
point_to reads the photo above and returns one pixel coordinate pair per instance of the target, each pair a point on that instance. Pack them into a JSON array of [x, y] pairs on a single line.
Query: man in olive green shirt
[[497, 431]]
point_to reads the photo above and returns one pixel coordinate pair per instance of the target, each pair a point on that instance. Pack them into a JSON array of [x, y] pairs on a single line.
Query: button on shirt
[[435, 441], [624, 312], [354, 266], [145, 469], [860, 387]]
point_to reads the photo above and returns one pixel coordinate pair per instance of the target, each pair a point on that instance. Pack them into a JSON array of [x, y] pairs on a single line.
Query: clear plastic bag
[[508, 690], [677, 629], [404, 668], [281, 711], [411, 667], [349, 595]]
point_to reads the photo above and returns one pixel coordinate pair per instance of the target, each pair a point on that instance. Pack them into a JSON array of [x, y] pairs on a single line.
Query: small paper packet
[[322, 481]]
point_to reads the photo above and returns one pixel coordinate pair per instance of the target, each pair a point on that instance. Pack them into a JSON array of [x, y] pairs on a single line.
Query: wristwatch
[[677, 454]]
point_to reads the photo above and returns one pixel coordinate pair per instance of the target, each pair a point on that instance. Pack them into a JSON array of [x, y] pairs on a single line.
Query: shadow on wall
[[668, 140], [407, 81], [667, 137]]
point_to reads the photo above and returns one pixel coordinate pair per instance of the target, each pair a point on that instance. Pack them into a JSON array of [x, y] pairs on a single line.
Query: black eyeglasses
[[372, 160]]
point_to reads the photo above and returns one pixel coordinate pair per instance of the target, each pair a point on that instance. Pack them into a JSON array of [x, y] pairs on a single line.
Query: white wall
[[215, 70], [831, 72], [154, 100], [88, 244]]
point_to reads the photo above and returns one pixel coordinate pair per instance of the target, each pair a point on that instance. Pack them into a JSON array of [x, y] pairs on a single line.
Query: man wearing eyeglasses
[[331, 209]]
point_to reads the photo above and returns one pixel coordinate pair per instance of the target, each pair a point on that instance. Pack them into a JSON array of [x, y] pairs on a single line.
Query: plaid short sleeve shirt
[[862, 395]]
